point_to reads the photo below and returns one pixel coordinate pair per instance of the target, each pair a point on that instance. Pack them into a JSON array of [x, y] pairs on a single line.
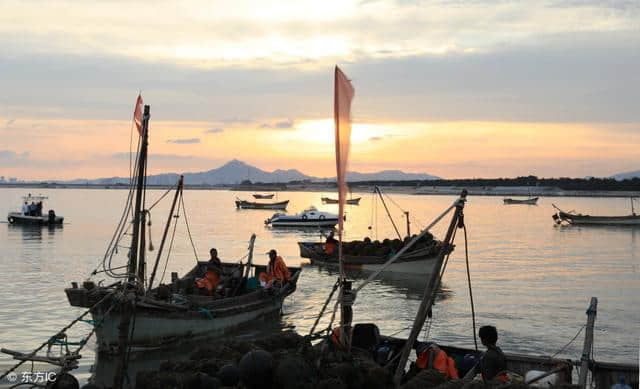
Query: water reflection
[[30, 233]]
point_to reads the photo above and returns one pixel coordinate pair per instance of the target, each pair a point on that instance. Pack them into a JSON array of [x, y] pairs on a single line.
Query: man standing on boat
[[25, 208], [276, 271]]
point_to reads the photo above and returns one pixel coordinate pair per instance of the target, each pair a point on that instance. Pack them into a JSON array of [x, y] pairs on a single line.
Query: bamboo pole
[[429, 292], [588, 342]]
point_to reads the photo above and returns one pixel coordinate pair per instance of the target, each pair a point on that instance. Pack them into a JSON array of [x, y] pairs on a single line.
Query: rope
[[466, 256], [188, 230], [324, 306], [160, 199], [173, 235], [54, 337]]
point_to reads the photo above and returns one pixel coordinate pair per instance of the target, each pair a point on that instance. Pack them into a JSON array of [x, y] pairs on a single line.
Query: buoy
[[256, 369], [229, 375]]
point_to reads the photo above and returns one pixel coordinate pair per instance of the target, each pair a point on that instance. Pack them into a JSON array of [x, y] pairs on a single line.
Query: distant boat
[[352, 201], [262, 196], [310, 217], [35, 216], [243, 204], [530, 201], [580, 219]]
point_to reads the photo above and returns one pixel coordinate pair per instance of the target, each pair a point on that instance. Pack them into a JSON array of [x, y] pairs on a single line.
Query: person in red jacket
[[430, 356], [276, 271]]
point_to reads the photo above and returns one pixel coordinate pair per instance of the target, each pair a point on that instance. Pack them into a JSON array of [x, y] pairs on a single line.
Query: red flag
[[343, 94], [137, 114]]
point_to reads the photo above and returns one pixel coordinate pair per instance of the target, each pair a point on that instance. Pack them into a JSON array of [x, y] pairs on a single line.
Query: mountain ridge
[[236, 171]]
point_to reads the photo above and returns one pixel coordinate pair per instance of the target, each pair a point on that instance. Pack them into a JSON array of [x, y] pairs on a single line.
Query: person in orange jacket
[[331, 245], [276, 271], [430, 356]]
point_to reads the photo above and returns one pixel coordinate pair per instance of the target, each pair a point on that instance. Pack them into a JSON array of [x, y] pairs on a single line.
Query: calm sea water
[[530, 279]]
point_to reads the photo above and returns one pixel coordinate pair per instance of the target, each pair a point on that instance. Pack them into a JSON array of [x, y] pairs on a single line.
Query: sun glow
[[323, 131]]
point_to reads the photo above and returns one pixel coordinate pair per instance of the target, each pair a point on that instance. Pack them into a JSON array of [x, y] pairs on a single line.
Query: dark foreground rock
[[284, 361]]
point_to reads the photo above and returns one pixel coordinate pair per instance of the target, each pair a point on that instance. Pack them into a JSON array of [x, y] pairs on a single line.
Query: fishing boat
[[530, 201], [574, 218], [243, 204], [133, 313], [310, 217], [31, 213], [263, 196], [351, 201]]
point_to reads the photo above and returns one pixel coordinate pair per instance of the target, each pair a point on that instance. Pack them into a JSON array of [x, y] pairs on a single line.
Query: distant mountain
[[627, 175], [235, 171]]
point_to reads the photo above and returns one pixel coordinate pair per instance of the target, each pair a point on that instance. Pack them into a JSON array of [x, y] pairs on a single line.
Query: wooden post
[[406, 214], [588, 342]]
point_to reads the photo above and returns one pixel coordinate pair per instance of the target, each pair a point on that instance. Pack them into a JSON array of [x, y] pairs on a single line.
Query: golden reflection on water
[[530, 279]]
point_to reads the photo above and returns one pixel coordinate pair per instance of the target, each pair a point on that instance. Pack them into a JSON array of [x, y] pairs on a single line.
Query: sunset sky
[[452, 88]]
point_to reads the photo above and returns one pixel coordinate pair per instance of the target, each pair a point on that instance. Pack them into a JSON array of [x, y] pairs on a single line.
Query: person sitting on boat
[[493, 363], [276, 271], [212, 276], [330, 245], [25, 209], [430, 356]]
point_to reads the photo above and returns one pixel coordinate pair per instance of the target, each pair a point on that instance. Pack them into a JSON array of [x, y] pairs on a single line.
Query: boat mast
[[138, 228], [127, 308], [166, 230], [430, 290]]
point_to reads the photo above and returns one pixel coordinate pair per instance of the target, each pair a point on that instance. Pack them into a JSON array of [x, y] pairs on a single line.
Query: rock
[[293, 372], [256, 369]]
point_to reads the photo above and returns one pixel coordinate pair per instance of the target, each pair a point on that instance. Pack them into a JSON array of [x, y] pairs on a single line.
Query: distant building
[[13, 180], [1, 178]]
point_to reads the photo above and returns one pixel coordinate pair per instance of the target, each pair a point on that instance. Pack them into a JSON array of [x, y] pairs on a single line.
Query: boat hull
[[531, 201], [19, 218], [155, 328], [630, 220], [304, 223], [282, 205], [259, 196], [419, 263], [328, 200]]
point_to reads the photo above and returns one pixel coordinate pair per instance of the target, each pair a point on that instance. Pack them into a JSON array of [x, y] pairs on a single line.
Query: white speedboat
[[32, 214], [310, 217]]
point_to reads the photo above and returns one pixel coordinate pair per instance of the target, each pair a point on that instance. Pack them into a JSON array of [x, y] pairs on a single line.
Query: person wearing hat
[[276, 271]]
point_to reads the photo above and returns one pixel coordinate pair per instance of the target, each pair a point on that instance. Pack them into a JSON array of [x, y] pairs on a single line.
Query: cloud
[[216, 130], [281, 125], [186, 141], [8, 155]]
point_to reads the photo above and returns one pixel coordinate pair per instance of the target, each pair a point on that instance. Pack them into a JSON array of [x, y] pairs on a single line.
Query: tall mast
[[137, 213]]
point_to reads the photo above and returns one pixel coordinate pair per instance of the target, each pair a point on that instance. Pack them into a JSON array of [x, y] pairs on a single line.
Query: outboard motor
[[52, 216]]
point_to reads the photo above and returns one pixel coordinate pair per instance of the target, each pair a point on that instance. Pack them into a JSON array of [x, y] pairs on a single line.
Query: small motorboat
[[31, 213], [262, 196], [574, 218], [310, 217], [530, 201], [243, 204], [351, 201]]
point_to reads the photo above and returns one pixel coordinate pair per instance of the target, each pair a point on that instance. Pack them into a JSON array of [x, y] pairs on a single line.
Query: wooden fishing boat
[[586, 220], [309, 218], [243, 204], [371, 257], [530, 201], [34, 217], [351, 201], [132, 313], [174, 313], [263, 196]]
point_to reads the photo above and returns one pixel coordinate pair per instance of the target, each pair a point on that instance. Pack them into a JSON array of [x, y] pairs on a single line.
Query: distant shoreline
[[361, 188]]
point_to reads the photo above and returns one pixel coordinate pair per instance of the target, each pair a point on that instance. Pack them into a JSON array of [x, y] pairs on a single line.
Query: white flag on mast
[[343, 94]]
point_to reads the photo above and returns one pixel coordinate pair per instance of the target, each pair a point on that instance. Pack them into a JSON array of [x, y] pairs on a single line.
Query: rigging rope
[[466, 255], [186, 222], [173, 235], [324, 306]]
